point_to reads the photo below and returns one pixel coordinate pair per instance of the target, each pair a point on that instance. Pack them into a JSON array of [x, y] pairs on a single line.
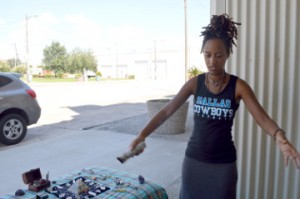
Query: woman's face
[[215, 56]]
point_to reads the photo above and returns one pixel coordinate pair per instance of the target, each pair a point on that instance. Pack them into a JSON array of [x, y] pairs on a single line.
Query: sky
[[97, 25]]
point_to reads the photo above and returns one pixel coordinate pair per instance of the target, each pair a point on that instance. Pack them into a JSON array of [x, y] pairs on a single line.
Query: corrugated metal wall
[[268, 58]]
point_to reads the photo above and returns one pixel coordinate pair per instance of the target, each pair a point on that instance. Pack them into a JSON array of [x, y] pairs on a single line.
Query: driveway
[[90, 123]]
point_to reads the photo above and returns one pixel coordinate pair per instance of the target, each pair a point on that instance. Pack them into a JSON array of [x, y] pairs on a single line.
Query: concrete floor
[[95, 137]]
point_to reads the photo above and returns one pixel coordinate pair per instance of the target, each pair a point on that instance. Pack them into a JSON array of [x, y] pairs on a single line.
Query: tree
[[20, 69], [55, 57], [4, 67], [13, 62], [80, 61]]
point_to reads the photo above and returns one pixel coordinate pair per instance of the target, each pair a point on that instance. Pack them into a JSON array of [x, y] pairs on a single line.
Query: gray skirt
[[202, 180]]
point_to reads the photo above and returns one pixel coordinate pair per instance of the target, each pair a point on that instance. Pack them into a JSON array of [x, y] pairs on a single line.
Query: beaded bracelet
[[276, 131]]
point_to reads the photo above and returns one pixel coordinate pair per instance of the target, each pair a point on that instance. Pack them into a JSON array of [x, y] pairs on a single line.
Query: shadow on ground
[[133, 125], [126, 118]]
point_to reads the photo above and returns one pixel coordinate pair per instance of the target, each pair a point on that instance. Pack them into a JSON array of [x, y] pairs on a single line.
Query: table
[[114, 184]]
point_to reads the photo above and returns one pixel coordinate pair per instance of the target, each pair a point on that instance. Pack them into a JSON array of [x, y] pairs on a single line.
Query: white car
[[90, 74]]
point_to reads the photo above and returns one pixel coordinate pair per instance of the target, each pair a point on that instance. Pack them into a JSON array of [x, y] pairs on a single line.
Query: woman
[[209, 167]]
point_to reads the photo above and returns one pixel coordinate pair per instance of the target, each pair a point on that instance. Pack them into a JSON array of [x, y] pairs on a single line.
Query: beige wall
[[268, 58]]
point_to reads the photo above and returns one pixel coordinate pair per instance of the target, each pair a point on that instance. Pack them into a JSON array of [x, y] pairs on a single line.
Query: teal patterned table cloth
[[119, 184]]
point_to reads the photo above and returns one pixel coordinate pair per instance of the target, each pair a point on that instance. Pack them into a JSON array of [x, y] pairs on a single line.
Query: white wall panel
[[268, 58]]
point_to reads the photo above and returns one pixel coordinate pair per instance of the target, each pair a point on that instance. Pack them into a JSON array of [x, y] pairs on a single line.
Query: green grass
[[54, 80]]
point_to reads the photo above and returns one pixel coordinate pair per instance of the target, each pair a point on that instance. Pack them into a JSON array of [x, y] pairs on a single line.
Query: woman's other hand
[[289, 152]]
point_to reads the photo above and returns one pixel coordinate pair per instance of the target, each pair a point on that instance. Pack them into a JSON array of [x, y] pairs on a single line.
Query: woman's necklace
[[217, 84]]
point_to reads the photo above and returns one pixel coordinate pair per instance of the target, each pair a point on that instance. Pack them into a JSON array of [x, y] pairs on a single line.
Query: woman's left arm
[[245, 93]]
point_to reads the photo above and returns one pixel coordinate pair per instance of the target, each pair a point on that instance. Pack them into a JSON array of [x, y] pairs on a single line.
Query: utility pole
[[155, 61], [16, 55], [27, 49], [185, 41], [117, 57]]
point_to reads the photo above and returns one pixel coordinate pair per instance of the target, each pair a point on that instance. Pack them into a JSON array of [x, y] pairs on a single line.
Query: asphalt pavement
[[80, 135]]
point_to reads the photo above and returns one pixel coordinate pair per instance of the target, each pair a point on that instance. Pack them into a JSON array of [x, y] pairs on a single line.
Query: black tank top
[[211, 140]]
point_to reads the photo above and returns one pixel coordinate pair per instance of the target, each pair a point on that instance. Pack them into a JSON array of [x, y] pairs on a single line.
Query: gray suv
[[18, 108]]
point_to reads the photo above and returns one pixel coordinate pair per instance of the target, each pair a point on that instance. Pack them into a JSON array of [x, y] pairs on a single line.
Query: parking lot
[[90, 123]]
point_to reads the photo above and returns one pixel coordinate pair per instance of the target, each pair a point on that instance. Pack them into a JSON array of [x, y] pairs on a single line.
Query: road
[[70, 108], [60, 100], [82, 105]]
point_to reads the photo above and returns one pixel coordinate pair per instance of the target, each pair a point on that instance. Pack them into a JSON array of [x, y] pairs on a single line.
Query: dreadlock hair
[[221, 27]]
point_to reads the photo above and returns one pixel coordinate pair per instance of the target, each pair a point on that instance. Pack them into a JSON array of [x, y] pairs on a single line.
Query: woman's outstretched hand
[[135, 142], [289, 152]]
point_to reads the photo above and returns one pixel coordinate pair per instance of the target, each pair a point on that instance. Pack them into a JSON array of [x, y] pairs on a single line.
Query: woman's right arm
[[185, 92]]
